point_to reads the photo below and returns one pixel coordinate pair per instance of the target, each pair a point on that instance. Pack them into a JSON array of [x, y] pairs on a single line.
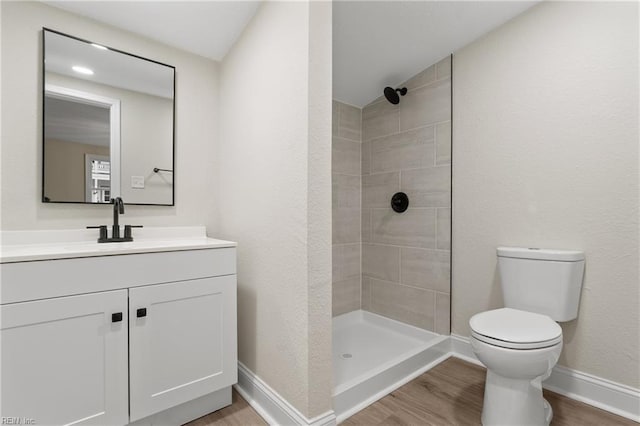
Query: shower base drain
[[346, 356]]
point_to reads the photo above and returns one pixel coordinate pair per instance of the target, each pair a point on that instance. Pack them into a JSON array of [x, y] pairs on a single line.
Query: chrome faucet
[[118, 207]]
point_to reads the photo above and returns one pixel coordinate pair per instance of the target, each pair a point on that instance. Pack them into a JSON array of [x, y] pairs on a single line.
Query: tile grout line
[[404, 285], [400, 132]]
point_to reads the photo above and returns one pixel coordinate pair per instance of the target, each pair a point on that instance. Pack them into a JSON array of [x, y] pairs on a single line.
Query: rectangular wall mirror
[[108, 124]]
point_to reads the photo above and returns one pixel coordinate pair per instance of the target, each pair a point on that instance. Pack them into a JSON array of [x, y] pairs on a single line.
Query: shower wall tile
[[429, 269], [443, 143], [443, 313], [406, 150], [377, 189], [413, 228], [335, 117], [366, 158], [407, 304], [346, 261], [346, 296], [406, 257], [381, 261], [427, 105], [430, 187], [350, 122], [366, 226], [444, 229], [443, 68], [345, 156], [346, 191], [366, 294], [379, 119], [346, 225], [346, 208], [423, 78]]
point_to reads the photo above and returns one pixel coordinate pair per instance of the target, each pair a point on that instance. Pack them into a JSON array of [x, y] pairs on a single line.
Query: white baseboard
[[596, 391], [273, 408]]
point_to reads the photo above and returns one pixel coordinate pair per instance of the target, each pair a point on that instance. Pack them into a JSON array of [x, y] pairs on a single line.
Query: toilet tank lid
[[541, 254]]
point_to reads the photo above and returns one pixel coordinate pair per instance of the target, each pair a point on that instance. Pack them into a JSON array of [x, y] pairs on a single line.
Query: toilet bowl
[[519, 349], [521, 343]]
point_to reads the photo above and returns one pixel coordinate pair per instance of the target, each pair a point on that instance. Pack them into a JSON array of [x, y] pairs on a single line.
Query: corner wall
[[275, 183], [21, 169], [545, 148]]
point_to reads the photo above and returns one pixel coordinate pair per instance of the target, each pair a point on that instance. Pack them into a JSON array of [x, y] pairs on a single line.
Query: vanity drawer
[[23, 281]]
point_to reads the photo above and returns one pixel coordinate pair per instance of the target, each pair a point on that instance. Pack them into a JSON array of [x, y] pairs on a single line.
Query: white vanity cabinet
[[142, 338], [64, 361], [182, 342]]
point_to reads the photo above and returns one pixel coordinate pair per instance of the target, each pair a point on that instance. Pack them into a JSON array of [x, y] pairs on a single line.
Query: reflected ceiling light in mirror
[[97, 46], [82, 70]]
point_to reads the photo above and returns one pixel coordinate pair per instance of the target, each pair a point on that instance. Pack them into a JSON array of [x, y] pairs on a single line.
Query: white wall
[[196, 125], [275, 196], [545, 154]]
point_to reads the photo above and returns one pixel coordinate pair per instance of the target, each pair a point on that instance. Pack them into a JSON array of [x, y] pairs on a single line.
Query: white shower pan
[[374, 355]]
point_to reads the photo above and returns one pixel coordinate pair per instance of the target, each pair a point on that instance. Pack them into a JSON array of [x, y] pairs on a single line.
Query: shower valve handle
[[399, 202]]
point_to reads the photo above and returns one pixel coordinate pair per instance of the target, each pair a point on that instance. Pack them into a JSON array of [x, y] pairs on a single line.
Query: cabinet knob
[[117, 317], [141, 312]]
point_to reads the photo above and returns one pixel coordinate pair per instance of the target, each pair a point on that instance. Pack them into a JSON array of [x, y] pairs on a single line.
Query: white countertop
[[26, 246]]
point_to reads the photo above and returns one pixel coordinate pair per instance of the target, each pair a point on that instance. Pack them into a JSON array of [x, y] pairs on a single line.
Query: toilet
[[521, 343]]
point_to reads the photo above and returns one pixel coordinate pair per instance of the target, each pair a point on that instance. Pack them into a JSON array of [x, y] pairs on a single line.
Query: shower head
[[392, 94]]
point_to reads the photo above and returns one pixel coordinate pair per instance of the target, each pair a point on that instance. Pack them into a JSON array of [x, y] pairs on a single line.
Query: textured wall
[[545, 148], [196, 125], [275, 196], [406, 257], [346, 210]]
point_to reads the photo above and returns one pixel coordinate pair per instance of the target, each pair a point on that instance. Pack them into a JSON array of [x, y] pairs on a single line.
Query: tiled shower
[[395, 264]]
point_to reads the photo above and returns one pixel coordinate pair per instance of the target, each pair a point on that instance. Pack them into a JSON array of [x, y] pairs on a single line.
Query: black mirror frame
[[42, 91]]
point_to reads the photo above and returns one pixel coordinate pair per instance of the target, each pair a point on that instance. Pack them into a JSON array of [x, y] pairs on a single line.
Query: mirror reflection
[[108, 124]]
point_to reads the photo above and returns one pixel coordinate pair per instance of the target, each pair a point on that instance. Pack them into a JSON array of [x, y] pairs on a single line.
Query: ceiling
[[110, 68], [375, 43], [206, 28], [76, 122], [384, 43]]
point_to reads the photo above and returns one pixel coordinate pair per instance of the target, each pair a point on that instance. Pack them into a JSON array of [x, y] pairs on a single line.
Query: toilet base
[[548, 411], [514, 402]]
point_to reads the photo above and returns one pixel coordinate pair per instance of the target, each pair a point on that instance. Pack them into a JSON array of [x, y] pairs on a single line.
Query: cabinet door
[[184, 345], [64, 361]]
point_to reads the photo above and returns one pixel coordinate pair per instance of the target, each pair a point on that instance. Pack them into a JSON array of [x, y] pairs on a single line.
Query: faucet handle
[[103, 231], [127, 230]]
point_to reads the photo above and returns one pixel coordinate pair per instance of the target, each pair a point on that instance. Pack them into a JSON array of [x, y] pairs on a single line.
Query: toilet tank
[[543, 281]]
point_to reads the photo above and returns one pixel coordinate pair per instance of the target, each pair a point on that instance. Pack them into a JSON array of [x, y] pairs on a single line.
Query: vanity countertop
[[26, 246]]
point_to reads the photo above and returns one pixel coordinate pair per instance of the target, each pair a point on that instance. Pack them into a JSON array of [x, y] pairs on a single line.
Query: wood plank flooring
[[239, 413], [449, 394]]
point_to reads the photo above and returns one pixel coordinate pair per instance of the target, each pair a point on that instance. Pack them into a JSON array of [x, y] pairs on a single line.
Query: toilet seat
[[515, 329]]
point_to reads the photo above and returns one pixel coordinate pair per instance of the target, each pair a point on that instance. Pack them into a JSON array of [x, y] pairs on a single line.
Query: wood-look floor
[[239, 413], [449, 394]]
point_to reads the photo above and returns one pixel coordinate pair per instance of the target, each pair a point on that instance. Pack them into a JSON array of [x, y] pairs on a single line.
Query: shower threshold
[[374, 355]]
